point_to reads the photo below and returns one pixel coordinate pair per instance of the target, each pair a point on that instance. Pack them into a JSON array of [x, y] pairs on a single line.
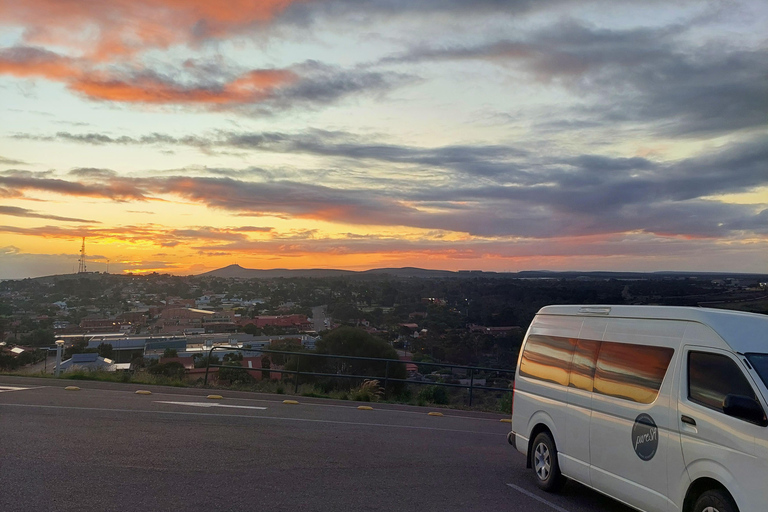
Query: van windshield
[[760, 363]]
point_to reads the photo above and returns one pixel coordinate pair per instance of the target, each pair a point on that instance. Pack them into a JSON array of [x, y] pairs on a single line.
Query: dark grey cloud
[[33, 61], [212, 84], [253, 229], [282, 197], [307, 13], [93, 173], [519, 194], [10, 161], [641, 75], [322, 84], [482, 160], [205, 233], [117, 189], [23, 173], [16, 211], [510, 173], [634, 196]]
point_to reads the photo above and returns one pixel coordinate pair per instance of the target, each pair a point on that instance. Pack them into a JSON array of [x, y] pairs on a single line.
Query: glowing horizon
[[185, 136]]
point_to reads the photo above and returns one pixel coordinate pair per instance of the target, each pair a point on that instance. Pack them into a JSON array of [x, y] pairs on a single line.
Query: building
[[93, 324], [90, 361], [186, 320], [298, 322]]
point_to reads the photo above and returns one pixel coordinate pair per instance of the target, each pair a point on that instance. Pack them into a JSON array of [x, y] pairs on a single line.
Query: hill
[[236, 271]]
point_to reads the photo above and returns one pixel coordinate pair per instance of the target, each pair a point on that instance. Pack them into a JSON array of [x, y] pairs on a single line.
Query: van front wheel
[[544, 463], [715, 500]]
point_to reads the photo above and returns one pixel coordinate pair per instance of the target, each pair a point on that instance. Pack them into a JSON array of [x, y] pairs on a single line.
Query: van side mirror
[[744, 408]]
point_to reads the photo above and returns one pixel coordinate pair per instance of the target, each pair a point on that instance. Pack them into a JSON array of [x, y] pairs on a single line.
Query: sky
[[181, 136]]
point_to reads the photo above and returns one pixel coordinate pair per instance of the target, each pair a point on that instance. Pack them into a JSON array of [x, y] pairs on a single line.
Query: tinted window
[[760, 364], [583, 364], [547, 358], [632, 372], [712, 376]]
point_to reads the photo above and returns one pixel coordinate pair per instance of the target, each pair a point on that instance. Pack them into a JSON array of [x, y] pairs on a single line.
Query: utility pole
[[59, 346]]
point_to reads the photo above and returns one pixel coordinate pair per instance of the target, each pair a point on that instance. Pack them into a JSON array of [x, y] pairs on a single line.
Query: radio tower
[[81, 268]]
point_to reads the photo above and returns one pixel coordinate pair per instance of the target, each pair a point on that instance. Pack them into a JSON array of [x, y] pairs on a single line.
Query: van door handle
[[688, 420]]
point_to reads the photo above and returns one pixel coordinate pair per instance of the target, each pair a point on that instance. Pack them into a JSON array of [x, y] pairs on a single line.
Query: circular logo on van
[[645, 437]]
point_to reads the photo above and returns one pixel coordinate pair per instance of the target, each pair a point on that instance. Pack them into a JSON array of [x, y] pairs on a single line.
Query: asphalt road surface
[[105, 448]]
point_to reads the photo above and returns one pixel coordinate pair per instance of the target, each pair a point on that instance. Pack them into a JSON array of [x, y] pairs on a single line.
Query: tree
[[170, 352], [252, 329], [105, 350], [202, 361], [266, 364], [38, 338], [233, 357], [350, 341], [233, 376], [173, 370], [78, 348]]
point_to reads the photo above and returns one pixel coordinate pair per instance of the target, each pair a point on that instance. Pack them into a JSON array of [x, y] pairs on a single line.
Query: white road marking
[[538, 498], [213, 404], [9, 388]]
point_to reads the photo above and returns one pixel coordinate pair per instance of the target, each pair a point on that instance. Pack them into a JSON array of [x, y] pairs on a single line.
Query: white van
[[661, 408]]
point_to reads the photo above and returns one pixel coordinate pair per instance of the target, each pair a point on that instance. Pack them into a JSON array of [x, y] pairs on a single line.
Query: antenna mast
[[81, 267]]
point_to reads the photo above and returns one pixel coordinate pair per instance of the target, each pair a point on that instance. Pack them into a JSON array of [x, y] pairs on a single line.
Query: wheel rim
[[710, 509], [543, 462]]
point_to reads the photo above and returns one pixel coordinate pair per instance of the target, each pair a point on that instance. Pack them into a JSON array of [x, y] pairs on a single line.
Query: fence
[[388, 365]]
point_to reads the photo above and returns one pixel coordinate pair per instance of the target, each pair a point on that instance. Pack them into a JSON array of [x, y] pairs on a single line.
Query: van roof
[[744, 332]]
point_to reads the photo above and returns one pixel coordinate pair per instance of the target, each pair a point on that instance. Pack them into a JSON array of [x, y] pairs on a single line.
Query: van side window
[[547, 358], [583, 364], [713, 376], [632, 372]]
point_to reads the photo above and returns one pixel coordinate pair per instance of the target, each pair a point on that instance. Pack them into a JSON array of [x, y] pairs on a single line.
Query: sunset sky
[[180, 136]]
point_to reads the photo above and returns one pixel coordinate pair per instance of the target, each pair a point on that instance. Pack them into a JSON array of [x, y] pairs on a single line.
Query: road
[[105, 448], [318, 318]]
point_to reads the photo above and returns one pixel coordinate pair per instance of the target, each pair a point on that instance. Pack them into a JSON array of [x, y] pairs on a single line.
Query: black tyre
[[545, 465], [715, 500]]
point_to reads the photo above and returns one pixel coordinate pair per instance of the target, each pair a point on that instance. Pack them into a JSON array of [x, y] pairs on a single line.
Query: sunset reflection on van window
[[632, 372], [583, 364], [547, 358]]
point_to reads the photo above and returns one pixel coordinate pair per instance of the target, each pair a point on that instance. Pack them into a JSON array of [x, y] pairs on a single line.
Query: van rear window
[[547, 358], [632, 372]]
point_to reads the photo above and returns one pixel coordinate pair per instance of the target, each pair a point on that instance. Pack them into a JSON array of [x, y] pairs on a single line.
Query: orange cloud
[[83, 77], [34, 62], [104, 29], [251, 87]]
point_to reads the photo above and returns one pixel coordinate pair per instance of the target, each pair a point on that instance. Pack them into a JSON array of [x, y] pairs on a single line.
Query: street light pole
[[59, 345]]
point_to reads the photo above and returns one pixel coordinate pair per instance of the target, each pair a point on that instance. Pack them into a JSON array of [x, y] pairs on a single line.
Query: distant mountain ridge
[[238, 272]]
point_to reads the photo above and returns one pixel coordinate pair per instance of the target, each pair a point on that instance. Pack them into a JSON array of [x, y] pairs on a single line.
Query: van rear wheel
[[715, 500], [545, 465]]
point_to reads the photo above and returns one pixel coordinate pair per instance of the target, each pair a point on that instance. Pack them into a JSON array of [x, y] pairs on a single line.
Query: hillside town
[[468, 321]]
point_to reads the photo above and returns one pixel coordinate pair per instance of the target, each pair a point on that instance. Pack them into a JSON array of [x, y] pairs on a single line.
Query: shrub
[[434, 394], [172, 370], [235, 374], [368, 391], [505, 403]]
